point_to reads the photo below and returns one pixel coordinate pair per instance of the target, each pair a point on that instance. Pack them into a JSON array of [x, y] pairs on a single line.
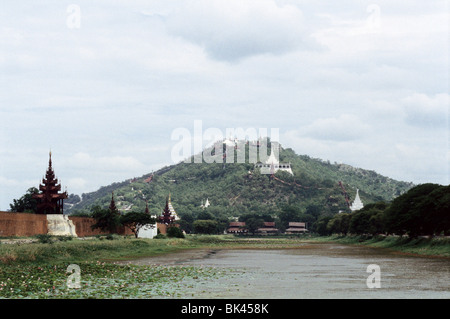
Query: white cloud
[[106, 97], [342, 128], [77, 185], [232, 29], [13, 189], [105, 163], [425, 111]]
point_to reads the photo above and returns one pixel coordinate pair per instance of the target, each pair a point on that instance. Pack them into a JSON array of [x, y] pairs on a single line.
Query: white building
[[272, 165], [206, 204], [148, 231], [357, 203]]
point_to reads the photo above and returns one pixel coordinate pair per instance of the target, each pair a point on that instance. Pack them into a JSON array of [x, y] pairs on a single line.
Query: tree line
[[422, 211]]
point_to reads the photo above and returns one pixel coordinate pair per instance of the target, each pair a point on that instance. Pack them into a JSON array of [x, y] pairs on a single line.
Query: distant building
[[237, 228], [296, 228], [272, 165], [357, 203], [268, 228]]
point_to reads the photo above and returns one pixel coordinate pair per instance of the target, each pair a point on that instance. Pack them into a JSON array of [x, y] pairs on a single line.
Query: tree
[[360, 222], [321, 225], [313, 210], [264, 217], [205, 226], [289, 213], [135, 221], [442, 209], [339, 223], [204, 215], [410, 213], [186, 222], [253, 224], [25, 204], [174, 231], [106, 219]]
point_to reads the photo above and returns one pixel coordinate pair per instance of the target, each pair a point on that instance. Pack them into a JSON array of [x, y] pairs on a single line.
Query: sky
[[105, 85]]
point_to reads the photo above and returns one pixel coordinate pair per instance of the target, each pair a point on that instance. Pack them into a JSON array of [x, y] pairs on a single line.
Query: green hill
[[236, 189]]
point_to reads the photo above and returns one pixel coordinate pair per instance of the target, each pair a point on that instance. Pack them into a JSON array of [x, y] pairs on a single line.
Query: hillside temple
[[272, 165]]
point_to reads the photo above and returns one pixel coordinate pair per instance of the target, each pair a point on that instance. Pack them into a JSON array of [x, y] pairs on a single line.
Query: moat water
[[314, 271]]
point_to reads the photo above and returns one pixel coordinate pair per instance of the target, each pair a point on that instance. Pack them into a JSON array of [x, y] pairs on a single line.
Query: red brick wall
[[83, 226], [162, 228], [20, 224]]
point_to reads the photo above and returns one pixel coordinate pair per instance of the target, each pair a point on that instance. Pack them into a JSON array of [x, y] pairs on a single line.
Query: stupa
[[357, 203]]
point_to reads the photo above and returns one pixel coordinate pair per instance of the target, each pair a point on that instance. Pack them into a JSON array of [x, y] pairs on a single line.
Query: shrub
[[112, 236], [64, 238], [175, 232], [45, 238]]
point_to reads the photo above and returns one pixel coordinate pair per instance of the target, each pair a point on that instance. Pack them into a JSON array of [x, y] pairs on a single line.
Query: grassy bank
[[39, 270], [437, 246], [123, 248], [77, 250]]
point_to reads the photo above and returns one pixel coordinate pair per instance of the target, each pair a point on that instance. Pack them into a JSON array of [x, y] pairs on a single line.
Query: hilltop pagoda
[[272, 165], [50, 199]]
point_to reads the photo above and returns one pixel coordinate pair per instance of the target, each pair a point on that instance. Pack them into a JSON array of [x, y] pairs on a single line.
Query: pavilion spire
[[147, 211], [50, 200], [112, 205]]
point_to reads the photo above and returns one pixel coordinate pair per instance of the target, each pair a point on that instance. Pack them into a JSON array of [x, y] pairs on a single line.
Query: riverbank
[[422, 246], [58, 250], [118, 248], [104, 274]]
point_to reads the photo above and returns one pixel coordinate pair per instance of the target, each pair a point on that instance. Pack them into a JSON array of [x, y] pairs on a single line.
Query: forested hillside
[[236, 189]]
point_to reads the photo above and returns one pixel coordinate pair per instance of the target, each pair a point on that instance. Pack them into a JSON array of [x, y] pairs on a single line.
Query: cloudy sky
[[104, 84]]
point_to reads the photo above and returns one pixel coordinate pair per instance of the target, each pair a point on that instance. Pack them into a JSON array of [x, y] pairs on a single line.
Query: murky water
[[314, 271]]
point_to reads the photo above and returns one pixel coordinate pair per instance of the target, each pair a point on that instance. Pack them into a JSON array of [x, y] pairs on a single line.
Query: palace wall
[[22, 225], [162, 228]]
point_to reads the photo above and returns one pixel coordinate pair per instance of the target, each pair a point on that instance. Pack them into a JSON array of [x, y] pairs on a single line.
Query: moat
[[313, 271]]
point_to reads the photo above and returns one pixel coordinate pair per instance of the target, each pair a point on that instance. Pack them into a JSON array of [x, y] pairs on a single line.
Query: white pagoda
[[206, 204], [272, 165], [357, 203]]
